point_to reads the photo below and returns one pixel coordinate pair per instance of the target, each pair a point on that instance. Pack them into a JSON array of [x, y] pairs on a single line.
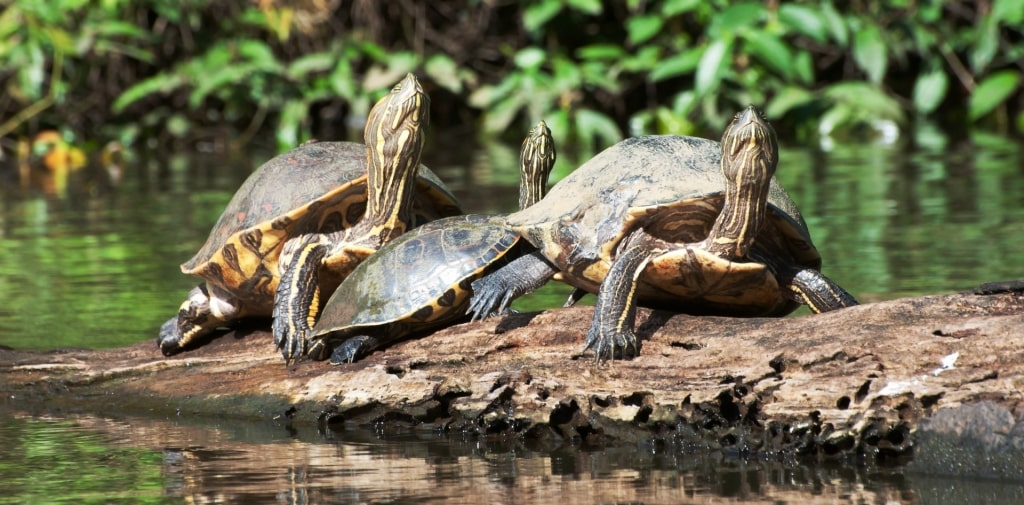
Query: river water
[[90, 259]]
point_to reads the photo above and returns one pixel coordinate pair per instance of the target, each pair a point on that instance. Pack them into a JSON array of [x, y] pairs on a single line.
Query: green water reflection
[[95, 264], [88, 459]]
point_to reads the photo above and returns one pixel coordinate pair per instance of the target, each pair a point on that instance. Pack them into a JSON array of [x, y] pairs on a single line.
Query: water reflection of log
[[880, 381]]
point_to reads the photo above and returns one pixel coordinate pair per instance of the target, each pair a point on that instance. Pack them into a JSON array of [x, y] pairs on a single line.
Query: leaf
[[712, 65], [601, 52], [642, 28], [591, 7], [595, 126], [444, 71], [835, 23], [735, 17], [538, 14], [870, 53], [803, 20], [674, 7], [787, 99], [158, 84], [530, 58], [289, 123], [1008, 12], [929, 90], [991, 92], [308, 64], [770, 50], [676, 65], [985, 46], [259, 54]]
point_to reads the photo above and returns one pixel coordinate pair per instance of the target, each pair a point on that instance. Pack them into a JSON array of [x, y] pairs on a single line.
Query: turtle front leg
[[612, 332], [821, 294], [195, 320], [493, 293], [298, 294]]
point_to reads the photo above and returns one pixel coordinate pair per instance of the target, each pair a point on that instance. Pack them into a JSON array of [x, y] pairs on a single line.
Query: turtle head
[[394, 136], [750, 149], [536, 158]]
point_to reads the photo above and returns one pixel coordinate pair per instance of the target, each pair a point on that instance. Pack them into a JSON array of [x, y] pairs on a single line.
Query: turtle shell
[[672, 187], [316, 187], [419, 280]]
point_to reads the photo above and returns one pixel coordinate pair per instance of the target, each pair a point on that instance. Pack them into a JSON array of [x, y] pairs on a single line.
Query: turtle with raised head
[[318, 187], [420, 281], [681, 223]]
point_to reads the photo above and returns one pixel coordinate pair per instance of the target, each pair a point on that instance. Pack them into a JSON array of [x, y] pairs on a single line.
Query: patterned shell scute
[[645, 172], [418, 269]]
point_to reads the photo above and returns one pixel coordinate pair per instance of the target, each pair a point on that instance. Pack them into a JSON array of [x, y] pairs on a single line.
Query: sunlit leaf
[[586, 6], [642, 28], [500, 115], [596, 126], [770, 50], [992, 91], [530, 57], [804, 66], [289, 123], [601, 52], [259, 54], [865, 100], [646, 58], [158, 84], [1010, 12], [674, 7], [835, 23], [310, 64], [712, 65], [444, 71], [676, 65], [787, 99], [870, 53], [114, 28], [803, 20], [535, 16], [735, 17], [985, 46], [929, 90]]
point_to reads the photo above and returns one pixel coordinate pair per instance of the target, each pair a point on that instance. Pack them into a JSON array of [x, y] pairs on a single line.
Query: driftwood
[[938, 378]]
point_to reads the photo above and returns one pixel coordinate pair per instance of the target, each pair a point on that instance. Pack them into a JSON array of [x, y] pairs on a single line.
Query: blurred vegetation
[[214, 74]]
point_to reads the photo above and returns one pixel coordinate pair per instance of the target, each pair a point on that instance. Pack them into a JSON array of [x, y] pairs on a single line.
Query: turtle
[[672, 222], [420, 280], [314, 188]]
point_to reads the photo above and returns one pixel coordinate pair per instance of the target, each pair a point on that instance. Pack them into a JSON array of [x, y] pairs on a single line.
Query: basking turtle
[[681, 223], [315, 188], [420, 281]]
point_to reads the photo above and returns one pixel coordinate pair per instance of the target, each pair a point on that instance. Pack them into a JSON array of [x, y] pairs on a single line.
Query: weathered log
[[936, 377]]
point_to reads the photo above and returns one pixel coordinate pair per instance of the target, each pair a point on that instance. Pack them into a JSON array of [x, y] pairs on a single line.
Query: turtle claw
[[611, 345], [488, 299], [354, 349], [169, 338]]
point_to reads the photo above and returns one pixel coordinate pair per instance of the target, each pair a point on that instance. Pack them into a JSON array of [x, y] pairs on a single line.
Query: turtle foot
[[354, 349], [169, 339], [290, 340], [611, 345]]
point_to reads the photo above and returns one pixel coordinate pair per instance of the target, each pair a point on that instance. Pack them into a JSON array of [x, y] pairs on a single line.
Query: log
[[932, 381]]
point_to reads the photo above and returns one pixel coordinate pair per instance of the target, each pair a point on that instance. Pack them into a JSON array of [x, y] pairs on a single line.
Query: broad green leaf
[[985, 47], [787, 99], [289, 123], [259, 54], [870, 53], [865, 100], [804, 66], [537, 15], [158, 84], [444, 71], [308, 64], [500, 115], [530, 58], [601, 52], [642, 28], [1009, 12], [676, 65], [735, 17], [803, 20], [835, 23], [586, 6], [114, 28], [673, 7], [647, 58], [684, 103], [712, 65], [991, 92], [771, 51], [592, 125], [929, 90]]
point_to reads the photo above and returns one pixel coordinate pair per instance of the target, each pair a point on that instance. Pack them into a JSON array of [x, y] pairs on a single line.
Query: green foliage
[[594, 70]]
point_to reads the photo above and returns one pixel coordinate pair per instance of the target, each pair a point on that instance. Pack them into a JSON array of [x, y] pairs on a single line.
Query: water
[[90, 260]]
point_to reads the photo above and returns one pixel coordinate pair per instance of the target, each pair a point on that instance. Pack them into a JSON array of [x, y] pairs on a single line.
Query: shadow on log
[[938, 378]]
